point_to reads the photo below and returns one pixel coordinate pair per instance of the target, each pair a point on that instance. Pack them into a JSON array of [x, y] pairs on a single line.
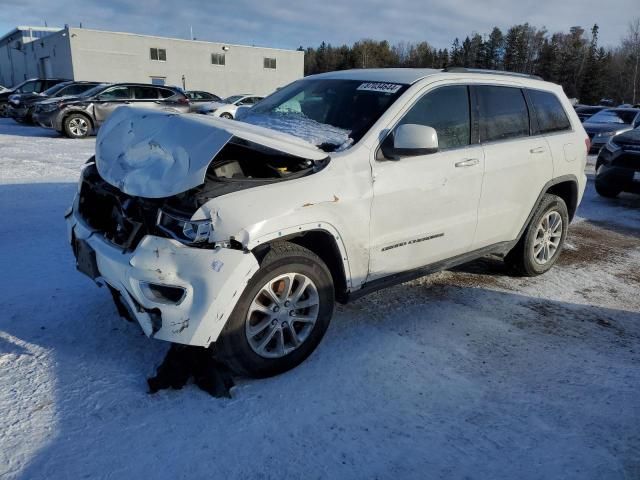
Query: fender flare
[[545, 189], [303, 228]]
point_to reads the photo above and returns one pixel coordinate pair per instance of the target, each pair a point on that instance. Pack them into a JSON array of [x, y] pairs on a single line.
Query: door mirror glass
[[410, 139]]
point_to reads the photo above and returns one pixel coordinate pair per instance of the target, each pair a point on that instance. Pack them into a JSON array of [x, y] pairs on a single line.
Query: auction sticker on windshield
[[379, 87]]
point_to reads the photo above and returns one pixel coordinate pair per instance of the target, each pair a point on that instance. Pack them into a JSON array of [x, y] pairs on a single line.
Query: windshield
[[95, 90], [330, 113], [55, 89], [233, 98], [614, 116]]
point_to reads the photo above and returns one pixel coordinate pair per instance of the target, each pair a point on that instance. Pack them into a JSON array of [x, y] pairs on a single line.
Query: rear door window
[[447, 111], [549, 112], [503, 113], [116, 93], [145, 93]]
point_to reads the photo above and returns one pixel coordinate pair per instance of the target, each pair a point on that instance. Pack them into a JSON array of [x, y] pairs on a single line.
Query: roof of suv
[[411, 75]]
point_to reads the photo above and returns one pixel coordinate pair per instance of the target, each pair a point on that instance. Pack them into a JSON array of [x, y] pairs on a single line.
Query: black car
[[79, 116], [34, 85], [618, 165], [609, 122], [21, 105], [586, 111]]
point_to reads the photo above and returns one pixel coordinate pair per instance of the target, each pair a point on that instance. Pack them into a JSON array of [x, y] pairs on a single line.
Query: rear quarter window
[[503, 113], [549, 112], [166, 93]]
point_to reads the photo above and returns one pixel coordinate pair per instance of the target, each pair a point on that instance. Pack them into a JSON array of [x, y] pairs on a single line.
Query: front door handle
[[469, 162], [538, 150]]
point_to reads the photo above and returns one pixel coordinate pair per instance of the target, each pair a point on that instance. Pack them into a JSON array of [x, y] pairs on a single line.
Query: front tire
[[77, 125], [226, 115], [282, 314], [541, 243]]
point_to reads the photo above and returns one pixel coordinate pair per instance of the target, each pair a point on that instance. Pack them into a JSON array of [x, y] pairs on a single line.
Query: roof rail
[[492, 72]]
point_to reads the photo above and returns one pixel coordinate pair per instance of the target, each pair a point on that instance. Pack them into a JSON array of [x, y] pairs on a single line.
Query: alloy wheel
[[282, 315], [78, 126], [547, 238]]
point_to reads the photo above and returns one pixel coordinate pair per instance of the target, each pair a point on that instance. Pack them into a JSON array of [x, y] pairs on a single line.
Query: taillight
[[587, 142]]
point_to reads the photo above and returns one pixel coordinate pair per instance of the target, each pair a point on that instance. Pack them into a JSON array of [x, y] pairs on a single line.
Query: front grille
[[123, 219]]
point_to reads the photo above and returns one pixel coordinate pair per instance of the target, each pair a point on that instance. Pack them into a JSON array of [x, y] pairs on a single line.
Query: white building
[[84, 54], [16, 53]]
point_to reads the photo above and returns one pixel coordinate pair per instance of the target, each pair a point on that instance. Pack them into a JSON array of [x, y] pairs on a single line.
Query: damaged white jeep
[[240, 235]]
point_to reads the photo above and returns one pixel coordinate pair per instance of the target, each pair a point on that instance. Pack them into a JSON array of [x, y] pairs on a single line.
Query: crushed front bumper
[[212, 280], [44, 119]]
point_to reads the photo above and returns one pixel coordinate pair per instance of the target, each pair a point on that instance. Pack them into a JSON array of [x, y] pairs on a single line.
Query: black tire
[[521, 258], [226, 115], [4, 110], [69, 126], [606, 191], [233, 347]]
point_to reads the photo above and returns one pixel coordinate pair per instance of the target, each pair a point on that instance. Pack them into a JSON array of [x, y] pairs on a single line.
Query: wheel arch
[[565, 187], [78, 112], [567, 190], [325, 244]]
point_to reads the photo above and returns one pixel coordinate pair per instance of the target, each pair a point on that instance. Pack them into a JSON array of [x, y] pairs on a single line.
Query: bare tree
[[632, 43]]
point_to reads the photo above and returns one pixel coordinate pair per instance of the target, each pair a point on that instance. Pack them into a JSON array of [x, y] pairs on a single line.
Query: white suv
[[240, 235]]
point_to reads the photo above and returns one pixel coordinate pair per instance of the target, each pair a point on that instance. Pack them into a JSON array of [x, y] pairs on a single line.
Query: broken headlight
[[184, 230]]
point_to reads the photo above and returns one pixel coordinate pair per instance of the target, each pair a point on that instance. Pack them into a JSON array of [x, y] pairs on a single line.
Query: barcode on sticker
[[380, 87]]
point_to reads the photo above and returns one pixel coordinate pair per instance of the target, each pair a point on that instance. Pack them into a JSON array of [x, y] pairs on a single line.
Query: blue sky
[[288, 24]]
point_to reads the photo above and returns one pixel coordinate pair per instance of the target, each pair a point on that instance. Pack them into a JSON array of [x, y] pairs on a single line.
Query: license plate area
[[86, 259]]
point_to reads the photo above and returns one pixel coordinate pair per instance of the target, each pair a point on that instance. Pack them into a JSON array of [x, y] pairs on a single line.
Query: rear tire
[[77, 125], [542, 241], [282, 314], [226, 115]]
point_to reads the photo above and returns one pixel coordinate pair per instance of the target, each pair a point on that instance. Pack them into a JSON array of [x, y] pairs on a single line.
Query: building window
[[158, 80], [217, 59], [159, 54], [269, 63]]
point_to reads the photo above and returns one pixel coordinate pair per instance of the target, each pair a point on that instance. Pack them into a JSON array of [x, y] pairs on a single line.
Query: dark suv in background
[[34, 85], [78, 117], [21, 105]]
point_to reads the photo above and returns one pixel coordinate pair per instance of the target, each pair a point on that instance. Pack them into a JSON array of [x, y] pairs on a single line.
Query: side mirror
[[411, 140]]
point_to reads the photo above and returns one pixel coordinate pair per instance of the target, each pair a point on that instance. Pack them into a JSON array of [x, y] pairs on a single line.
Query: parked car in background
[[199, 96], [228, 107], [618, 165], [21, 105], [34, 85], [609, 122], [240, 235], [80, 116], [586, 111]]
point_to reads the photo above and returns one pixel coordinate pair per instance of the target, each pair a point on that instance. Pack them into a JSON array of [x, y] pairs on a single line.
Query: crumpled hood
[[66, 98], [157, 154]]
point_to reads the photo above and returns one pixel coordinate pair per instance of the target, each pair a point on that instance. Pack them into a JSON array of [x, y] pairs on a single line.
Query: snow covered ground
[[465, 374]]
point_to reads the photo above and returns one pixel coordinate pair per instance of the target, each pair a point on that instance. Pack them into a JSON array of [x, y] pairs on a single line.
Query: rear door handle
[[469, 162], [538, 150]]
